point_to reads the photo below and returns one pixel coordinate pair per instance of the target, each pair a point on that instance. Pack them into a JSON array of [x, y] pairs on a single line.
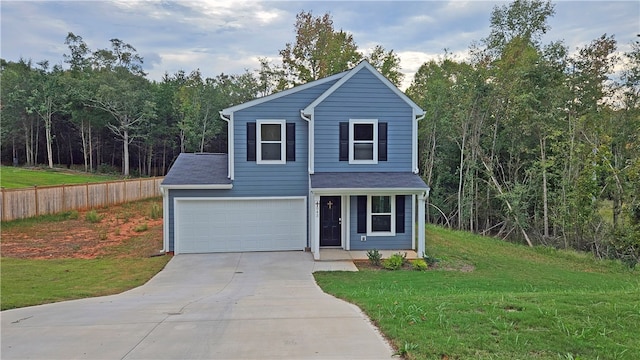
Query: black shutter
[[344, 141], [291, 142], [400, 214], [382, 141], [362, 214], [251, 141]]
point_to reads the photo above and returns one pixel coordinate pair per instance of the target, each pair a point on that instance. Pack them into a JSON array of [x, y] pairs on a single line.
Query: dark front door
[[330, 221]]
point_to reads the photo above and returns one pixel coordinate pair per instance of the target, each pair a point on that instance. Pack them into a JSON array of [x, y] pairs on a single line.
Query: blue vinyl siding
[[289, 179], [363, 97], [398, 242]]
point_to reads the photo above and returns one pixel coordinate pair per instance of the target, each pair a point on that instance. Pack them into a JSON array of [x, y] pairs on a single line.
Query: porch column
[[421, 240], [315, 236]]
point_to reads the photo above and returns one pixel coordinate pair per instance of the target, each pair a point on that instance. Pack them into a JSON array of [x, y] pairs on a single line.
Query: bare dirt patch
[[123, 231]]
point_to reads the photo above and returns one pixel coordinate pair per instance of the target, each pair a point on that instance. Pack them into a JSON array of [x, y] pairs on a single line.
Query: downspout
[[230, 143], [165, 219], [311, 206], [414, 141], [311, 141]]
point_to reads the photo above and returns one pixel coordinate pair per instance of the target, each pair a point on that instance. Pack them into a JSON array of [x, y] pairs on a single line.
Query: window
[[381, 215], [271, 142], [363, 141]]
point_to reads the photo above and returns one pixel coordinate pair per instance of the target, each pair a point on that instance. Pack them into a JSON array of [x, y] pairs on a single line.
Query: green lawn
[[27, 282], [16, 177], [517, 303]]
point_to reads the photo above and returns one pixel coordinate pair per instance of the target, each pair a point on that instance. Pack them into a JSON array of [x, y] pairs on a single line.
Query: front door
[[330, 221]]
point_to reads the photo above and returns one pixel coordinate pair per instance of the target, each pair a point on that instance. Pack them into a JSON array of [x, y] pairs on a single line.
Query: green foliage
[[92, 216], [419, 264], [61, 216], [156, 211], [374, 257], [585, 307], [395, 261], [406, 349]]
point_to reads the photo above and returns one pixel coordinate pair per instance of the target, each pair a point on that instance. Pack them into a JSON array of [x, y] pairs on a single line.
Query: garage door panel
[[232, 225]]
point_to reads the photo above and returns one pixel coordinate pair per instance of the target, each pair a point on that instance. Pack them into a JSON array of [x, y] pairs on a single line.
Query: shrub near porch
[[517, 302]]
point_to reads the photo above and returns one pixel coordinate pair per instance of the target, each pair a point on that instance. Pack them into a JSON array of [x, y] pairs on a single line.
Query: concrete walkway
[[214, 306]]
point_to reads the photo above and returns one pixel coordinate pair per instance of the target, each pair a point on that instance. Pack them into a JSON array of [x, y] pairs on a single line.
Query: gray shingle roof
[[367, 180], [198, 169]]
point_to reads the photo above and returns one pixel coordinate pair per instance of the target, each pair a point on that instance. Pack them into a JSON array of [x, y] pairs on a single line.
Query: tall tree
[[319, 50], [387, 62]]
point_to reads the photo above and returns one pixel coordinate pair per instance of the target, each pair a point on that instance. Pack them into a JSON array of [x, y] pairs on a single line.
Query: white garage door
[[233, 225]]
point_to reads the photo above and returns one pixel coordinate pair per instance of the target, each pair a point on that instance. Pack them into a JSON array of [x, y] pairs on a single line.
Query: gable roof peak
[[364, 64]]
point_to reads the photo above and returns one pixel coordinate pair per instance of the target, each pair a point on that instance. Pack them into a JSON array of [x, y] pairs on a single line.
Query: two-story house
[[331, 163]]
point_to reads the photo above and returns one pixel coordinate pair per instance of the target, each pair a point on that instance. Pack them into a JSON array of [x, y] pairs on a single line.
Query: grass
[[517, 303], [16, 177], [27, 282], [119, 267]]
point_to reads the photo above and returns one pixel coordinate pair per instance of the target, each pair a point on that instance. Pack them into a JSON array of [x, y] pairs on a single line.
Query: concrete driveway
[[210, 306]]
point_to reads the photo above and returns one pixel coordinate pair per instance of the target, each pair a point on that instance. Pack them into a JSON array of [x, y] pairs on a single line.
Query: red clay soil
[[80, 238]]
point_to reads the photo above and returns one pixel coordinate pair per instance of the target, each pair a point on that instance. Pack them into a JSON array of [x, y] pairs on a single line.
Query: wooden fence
[[24, 203]]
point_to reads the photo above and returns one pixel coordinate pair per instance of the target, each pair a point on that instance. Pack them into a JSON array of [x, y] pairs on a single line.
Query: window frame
[[371, 214], [282, 142], [352, 141]]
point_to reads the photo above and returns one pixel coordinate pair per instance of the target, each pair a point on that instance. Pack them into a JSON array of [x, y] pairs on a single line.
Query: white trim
[[199, 186], [346, 223], [232, 109], [421, 223], [283, 140], [165, 219], [370, 214], [352, 141], [231, 141], [367, 191], [414, 219], [414, 144], [351, 73], [310, 140], [316, 227]]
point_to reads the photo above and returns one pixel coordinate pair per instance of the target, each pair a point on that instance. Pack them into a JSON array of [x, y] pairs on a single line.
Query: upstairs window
[[363, 141], [271, 142]]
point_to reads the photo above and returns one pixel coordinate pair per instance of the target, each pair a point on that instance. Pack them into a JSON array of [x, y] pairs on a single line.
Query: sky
[[225, 36]]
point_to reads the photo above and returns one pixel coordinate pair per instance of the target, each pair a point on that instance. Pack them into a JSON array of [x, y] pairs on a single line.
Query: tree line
[[529, 142], [522, 140]]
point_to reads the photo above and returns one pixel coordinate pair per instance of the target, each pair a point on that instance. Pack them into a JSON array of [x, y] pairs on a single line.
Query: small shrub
[[73, 215], [419, 264], [156, 211], [93, 217], [394, 262], [374, 257], [141, 228], [430, 260]]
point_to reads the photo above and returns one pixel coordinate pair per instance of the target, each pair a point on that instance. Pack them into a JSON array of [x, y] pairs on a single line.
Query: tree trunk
[[461, 170], [47, 131], [499, 188], [85, 155], [125, 152], [545, 203]]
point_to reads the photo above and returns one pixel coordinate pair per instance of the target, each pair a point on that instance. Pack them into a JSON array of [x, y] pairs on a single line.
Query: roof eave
[[197, 186]]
